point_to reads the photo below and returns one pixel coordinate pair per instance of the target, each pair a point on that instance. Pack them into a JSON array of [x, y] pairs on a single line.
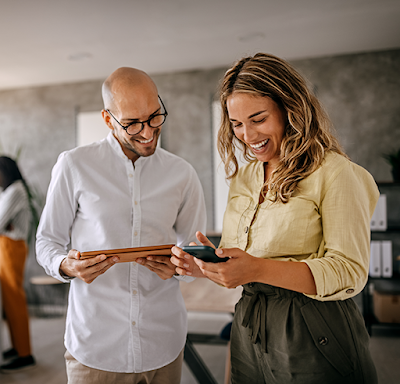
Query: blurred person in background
[[15, 219]]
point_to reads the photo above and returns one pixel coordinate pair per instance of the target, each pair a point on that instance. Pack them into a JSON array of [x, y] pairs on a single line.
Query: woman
[[296, 230], [14, 227]]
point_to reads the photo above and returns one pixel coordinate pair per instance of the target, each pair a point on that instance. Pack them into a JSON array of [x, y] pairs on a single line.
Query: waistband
[[256, 310]]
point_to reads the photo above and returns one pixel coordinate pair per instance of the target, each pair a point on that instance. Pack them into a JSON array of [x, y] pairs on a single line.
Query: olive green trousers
[[281, 337]]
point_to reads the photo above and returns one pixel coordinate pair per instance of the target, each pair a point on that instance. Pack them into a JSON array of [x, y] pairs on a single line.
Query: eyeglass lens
[[154, 122]]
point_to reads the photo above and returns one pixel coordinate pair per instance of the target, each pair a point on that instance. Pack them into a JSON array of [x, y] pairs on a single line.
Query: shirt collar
[[116, 146]]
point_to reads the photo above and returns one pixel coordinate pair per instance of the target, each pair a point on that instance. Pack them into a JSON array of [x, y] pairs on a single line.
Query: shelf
[[387, 183], [392, 228]]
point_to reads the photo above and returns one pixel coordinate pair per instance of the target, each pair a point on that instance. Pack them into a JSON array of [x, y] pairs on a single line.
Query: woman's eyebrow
[[252, 115], [257, 113]]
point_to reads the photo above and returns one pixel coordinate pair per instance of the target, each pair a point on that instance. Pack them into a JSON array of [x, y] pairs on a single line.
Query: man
[[126, 322]]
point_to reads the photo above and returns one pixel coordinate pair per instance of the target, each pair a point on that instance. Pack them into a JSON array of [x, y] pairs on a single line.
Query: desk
[[203, 295]]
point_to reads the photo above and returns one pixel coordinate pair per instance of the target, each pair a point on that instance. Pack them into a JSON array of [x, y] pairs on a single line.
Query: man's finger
[[74, 254]]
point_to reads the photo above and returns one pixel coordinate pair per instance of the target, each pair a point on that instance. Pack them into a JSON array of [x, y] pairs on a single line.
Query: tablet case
[[131, 254]]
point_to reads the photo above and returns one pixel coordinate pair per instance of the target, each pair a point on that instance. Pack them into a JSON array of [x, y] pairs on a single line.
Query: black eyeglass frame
[[126, 127]]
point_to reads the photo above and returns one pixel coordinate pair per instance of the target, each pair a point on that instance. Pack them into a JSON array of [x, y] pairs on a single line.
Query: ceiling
[[59, 41]]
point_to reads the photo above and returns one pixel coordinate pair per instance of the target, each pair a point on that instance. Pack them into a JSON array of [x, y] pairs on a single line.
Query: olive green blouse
[[326, 223]]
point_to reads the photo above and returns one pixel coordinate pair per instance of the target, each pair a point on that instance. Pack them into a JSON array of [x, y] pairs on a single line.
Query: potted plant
[[393, 158]]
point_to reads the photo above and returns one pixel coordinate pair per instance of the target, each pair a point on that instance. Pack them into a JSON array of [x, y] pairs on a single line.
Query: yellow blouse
[[325, 224]]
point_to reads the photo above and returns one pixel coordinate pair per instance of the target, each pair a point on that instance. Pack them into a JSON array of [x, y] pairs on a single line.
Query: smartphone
[[204, 253]]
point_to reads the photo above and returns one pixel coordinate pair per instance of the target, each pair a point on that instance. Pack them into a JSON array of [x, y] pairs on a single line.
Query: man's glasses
[[136, 127]]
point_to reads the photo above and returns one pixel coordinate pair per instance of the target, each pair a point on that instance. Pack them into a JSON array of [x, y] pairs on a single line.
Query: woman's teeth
[[259, 145]]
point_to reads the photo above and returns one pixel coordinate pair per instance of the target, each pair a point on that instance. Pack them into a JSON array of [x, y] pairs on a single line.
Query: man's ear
[[107, 118]]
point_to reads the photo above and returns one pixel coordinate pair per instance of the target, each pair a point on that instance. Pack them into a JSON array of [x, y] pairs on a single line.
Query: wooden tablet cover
[[131, 254]]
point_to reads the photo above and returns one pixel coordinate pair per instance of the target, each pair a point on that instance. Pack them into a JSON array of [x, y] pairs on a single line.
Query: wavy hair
[[308, 134]]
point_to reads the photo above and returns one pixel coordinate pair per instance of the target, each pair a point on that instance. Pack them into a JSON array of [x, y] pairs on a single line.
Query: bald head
[[123, 80]]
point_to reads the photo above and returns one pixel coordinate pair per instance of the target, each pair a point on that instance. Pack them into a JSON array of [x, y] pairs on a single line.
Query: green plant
[[393, 158]]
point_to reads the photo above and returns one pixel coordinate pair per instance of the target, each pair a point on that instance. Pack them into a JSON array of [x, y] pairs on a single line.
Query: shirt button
[[130, 175], [133, 322], [349, 291], [135, 202], [246, 229], [323, 340], [135, 233], [134, 292]]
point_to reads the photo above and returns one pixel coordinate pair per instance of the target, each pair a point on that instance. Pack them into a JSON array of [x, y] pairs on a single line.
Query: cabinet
[[385, 285]]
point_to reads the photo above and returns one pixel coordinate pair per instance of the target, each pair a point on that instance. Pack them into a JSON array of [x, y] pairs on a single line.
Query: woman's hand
[[184, 262], [240, 269]]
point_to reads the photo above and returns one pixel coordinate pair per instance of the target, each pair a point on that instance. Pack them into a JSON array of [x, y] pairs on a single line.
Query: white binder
[[387, 259], [379, 218], [375, 260]]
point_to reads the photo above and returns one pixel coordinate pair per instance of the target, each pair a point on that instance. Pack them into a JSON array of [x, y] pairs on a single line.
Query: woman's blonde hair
[[308, 133]]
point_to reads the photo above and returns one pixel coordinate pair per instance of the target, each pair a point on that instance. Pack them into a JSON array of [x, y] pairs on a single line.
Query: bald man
[[126, 322]]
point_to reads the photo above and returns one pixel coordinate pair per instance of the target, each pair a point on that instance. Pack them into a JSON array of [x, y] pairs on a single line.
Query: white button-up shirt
[[128, 319]]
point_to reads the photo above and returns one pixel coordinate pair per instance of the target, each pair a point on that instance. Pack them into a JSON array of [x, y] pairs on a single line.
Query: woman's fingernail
[[186, 256], [188, 273], [220, 251], [186, 265]]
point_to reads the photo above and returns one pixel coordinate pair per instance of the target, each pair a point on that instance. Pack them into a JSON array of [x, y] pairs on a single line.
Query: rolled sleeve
[[340, 269]]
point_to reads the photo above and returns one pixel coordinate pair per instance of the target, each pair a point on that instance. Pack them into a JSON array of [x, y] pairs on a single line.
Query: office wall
[[361, 93]]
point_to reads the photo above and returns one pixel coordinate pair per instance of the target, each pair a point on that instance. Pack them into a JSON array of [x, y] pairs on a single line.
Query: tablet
[[131, 254]]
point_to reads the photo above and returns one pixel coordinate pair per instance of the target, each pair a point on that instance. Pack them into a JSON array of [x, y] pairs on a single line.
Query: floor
[[47, 340]]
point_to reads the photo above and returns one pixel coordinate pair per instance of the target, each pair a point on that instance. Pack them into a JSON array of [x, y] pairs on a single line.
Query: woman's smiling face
[[259, 122]]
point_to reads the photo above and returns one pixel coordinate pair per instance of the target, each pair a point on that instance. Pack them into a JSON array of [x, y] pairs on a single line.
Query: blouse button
[[246, 229], [133, 323], [349, 291], [323, 340]]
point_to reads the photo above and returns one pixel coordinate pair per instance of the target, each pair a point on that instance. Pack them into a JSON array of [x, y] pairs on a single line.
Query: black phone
[[204, 253]]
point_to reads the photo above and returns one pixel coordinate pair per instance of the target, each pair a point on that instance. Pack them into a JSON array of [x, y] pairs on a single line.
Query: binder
[[387, 259], [379, 217], [375, 260]]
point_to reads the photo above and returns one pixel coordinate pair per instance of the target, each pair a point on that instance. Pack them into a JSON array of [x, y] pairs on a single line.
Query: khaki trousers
[[12, 262], [80, 374]]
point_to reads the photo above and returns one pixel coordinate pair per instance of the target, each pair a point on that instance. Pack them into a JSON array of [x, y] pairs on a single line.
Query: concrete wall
[[360, 92]]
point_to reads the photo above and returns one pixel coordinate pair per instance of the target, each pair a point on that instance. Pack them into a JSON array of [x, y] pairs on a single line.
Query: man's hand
[[161, 265], [87, 270]]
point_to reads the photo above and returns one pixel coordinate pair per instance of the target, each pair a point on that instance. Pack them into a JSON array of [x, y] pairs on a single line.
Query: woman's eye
[[259, 121], [236, 125]]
